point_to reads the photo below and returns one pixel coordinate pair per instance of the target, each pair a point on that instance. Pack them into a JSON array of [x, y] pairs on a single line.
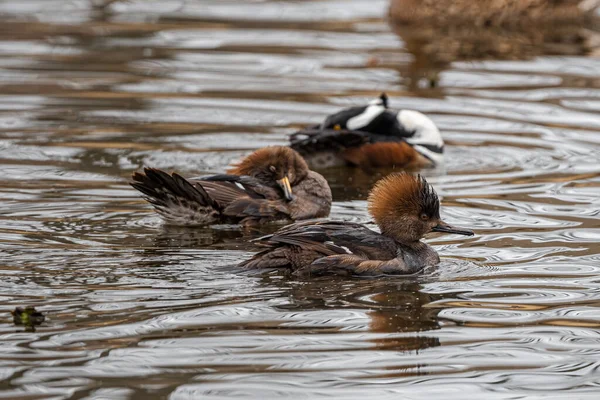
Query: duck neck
[[401, 231], [412, 246], [417, 254]]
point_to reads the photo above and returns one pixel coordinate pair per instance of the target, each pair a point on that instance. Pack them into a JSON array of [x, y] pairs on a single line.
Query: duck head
[[425, 136], [406, 208], [274, 166]]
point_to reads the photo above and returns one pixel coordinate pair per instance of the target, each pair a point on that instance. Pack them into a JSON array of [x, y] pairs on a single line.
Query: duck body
[[404, 207], [371, 136], [339, 248], [272, 184]]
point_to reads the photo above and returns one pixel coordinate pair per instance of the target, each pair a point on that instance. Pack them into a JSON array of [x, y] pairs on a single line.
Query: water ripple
[[94, 90]]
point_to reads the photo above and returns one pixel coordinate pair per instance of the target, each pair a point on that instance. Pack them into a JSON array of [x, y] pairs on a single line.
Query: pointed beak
[[284, 184], [444, 227]]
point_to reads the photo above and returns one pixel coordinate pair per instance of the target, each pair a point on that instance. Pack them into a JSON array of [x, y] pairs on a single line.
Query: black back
[[334, 237]]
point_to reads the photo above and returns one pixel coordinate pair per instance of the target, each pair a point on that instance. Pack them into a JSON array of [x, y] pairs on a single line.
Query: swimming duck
[[372, 136], [404, 207], [271, 184]]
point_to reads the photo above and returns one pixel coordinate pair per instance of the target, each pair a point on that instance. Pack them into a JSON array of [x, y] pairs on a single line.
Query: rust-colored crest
[[402, 193], [283, 160]]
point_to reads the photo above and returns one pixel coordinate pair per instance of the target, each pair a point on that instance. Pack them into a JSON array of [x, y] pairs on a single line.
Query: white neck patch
[[425, 131], [363, 119], [436, 158]]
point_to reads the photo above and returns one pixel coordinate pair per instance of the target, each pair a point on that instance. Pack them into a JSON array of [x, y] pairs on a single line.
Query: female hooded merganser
[[372, 136], [403, 206], [271, 184]]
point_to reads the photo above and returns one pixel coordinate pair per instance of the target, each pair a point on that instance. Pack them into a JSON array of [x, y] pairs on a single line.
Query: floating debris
[[28, 317]]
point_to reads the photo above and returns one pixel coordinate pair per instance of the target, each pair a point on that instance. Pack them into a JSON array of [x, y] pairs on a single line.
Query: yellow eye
[[424, 217], [337, 127]]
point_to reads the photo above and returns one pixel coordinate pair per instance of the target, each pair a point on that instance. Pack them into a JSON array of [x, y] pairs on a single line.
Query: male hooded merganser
[[271, 184], [372, 136], [403, 206]]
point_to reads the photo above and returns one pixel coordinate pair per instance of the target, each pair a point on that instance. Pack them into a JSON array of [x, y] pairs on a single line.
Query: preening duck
[[271, 184], [404, 207], [372, 136]]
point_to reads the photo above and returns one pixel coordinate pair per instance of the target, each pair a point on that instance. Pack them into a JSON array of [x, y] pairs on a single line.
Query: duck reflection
[[355, 183], [181, 237], [217, 237], [438, 32], [393, 306]]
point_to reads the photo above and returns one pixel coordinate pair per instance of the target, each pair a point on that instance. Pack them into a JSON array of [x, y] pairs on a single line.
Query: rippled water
[[93, 90]]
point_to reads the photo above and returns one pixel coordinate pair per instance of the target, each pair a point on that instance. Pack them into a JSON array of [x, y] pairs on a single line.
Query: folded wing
[[220, 198], [322, 245]]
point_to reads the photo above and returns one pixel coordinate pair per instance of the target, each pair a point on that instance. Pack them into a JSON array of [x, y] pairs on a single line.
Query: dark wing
[[386, 124], [312, 140], [341, 117], [320, 248], [385, 127], [333, 237], [331, 134], [158, 186], [315, 236], [227, 188], [176, 199], [296, 245], [245, 198]]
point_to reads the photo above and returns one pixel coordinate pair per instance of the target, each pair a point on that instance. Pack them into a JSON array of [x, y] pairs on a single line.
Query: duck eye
[[424, 217], [272, 168]]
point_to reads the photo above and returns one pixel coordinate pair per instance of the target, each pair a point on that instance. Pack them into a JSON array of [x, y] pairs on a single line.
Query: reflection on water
[[439, 33], [93, 90]]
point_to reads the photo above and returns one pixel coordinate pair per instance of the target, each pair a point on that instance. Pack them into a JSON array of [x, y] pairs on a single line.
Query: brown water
[[93, 90]]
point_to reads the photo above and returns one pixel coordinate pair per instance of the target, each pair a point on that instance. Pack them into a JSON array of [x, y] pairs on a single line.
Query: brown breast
[[384, 154]]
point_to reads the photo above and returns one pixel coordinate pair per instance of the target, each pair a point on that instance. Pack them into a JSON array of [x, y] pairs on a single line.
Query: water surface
[[93, 90]]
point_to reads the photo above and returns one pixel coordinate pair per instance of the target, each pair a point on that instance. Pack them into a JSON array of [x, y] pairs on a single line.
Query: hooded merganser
[[372, 136], [271, 184], [403, 206]]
